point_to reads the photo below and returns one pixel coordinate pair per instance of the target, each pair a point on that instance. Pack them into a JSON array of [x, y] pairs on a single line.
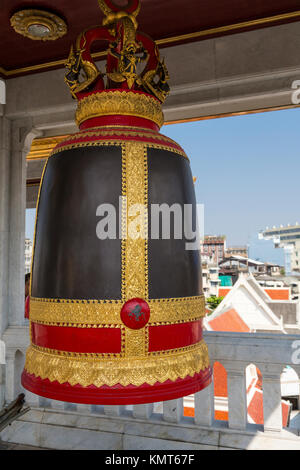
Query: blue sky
[[248, 174], [248, 170]]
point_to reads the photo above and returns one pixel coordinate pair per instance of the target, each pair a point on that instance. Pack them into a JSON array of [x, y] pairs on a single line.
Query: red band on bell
[[80, 340], [181, 335], [119, 120]]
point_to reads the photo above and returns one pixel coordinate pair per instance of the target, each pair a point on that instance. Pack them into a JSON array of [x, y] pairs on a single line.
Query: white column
[[237, 398], [204, 406], [22, 136], [10, 377], [5, 131], [113, 410], [143, 411], [82, 408], [57, 405], [173, 410], [32, 399], [2, 385], [272, 397]]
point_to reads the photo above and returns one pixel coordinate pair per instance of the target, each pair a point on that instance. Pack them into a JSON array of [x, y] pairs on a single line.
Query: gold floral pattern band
[[135, 371], [119, 103], [94, 313]]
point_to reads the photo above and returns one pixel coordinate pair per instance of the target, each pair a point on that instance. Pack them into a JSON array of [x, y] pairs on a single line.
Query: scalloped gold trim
[[124, 371], [119, 103], [111, 132], [116, 142]]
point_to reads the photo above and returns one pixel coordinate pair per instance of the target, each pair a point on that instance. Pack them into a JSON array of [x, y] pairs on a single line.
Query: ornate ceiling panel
[[168, 22]]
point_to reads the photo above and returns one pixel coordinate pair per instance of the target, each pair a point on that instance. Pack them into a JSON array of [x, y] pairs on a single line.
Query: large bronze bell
[[115, 312]]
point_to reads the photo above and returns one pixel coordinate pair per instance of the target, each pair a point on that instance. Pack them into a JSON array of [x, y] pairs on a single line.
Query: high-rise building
[[28, 255], [287, 238]]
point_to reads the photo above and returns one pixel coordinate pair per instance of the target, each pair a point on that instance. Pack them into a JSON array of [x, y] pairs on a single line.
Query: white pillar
[[204, 406], [2, 385], [237, 397], [173, 410], [5, 132], [143, 411], [113, 410], [86, 409], [10, 377], [22, 136], [32, 399], [272, 397]]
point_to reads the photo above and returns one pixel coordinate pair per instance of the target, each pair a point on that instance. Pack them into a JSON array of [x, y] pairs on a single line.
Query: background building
[[237, 251], [287, 238], [213, 248], [28, 255]]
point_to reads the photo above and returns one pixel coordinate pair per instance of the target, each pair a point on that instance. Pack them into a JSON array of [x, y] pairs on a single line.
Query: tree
[[214, 301]]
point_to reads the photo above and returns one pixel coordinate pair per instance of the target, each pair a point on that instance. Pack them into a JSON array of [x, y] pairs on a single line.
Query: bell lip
[[117, 395]]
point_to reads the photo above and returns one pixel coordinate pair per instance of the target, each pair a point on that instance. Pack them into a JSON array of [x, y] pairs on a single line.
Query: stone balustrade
[[61, 425]]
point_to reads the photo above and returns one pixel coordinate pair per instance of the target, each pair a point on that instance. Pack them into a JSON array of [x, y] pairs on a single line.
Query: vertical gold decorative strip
[[146, 222], [124, 223], [135, 249], [135, 342]]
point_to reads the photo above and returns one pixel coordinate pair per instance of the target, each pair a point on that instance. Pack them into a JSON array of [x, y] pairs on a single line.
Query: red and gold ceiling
[[176, 22]]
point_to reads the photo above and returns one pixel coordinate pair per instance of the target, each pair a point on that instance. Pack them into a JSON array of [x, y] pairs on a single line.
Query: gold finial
[[108, 6]]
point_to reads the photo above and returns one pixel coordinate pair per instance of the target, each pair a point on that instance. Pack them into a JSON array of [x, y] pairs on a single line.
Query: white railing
[[164, 424]]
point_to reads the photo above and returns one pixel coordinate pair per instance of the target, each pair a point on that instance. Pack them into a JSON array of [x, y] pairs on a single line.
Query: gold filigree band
[[119, 103], [94, 313], [117, 141], [124, 371], [101, 132]]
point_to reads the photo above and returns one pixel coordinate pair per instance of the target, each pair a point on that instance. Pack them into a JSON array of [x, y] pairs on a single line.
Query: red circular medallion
[[135, 313]]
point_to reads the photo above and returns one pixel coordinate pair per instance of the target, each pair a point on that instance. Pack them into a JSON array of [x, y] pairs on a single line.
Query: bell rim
[[118, 395]]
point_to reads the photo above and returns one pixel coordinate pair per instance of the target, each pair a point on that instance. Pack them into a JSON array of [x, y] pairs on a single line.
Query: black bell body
[[116, 301]]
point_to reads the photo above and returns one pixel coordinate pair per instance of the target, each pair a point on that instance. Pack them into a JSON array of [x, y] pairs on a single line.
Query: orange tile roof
[[220, 380], [255, 409], [278, 294], [229, 321], [224, 291], [189, 411], [221, 415]]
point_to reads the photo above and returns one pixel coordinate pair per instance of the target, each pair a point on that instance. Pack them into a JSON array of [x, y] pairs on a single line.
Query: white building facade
[[28, 255], [287, 238]]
